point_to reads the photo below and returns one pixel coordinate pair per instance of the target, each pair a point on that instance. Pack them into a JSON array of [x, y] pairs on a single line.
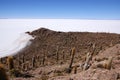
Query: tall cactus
[[72, 57], [23, 66], [43, 60], [57, 54], [0, 60], [71, 61], [3, 75], [63, 54], [33, 61], [93, 49], [88, 58], [19, 62], [10, 63], [23, 60]]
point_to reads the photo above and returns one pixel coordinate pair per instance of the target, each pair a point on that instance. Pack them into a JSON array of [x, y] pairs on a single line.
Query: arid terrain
[[56, 55]]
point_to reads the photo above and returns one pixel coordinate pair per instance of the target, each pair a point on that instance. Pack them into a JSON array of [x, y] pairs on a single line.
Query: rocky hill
[[70, 56]]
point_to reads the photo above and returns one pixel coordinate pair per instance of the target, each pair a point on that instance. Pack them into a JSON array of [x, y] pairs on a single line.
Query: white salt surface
[[13, 39]]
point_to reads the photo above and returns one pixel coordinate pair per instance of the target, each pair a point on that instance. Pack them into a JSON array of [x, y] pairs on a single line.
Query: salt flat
[[12, 30]]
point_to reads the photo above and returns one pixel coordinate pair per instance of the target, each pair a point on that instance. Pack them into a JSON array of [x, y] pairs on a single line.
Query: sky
[[60, 9], [19, 16]]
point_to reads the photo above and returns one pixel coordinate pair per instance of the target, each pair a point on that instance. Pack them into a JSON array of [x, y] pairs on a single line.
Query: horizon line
[[61, 18]]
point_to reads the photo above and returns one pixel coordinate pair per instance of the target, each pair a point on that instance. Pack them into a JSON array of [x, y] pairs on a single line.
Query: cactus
[[93, 49], [57, 54], [72, 57], [10, 62], [0, 60], [26, 65], [88, 58], [43, 60], [40, 61], [63, 54], [75, 69], [23, 60], [109, 63], [19, 62], [71, 62], [33, 61], [111, 43], [23, 66], [3, 75], [37, 61], [93, 46]]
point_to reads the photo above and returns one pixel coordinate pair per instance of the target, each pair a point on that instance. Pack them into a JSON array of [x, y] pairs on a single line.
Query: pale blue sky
[[70, 9]]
